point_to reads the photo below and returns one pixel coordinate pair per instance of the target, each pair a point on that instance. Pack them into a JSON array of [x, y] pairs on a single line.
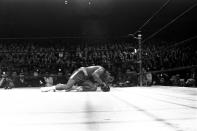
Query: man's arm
[[96, 75]]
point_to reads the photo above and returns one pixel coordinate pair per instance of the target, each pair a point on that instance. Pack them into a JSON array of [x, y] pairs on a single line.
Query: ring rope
[[176, 44], [154, 14], [165, 26]]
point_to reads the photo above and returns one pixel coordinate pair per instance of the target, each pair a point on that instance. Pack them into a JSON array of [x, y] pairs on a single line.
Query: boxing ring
[[134, 108]]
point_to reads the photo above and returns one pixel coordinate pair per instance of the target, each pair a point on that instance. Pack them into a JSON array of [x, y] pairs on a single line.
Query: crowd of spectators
[[50, 57], [70, 55], [162, 55]]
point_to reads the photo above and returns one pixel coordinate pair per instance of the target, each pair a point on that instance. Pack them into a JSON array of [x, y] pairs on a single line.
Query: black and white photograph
[[98, 65]]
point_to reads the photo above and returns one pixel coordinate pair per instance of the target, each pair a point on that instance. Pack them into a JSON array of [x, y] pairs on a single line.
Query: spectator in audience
[[21, 81], [60, 78], [48, 78], [36, 80], [14, 77], [6, 82], [191, 82], [149, 78]]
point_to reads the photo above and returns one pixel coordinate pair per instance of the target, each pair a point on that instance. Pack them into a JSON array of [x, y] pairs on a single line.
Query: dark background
[[54, 18]]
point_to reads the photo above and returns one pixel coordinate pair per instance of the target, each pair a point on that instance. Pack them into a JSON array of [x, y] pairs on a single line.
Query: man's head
[[105, 88]]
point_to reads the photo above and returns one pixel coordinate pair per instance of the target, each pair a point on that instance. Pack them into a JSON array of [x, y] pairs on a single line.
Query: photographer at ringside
[[6, 82]]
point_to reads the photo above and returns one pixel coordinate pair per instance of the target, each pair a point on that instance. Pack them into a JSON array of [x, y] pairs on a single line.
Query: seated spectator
[[175, 80], [149, 78], [156, 79], [60, 78], [48, 79], [14, 77], [21, 81], [36, 80], [191, 82], [182, 82], [6, 82]]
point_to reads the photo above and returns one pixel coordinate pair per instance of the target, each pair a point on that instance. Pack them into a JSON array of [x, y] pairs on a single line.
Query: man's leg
[[76, 77], [67, 86], [89, 86]]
